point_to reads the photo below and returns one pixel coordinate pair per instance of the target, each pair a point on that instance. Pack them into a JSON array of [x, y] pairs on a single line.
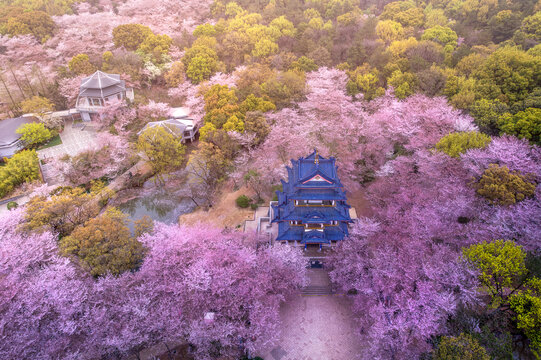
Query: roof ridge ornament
[[316, 158]]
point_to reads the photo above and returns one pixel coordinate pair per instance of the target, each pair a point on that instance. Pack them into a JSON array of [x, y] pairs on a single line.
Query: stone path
[[316, 327]]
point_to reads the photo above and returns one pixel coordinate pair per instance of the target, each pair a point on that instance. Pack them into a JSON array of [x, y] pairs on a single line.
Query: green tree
[[162, 148], [36, 105], [61, 212], [156, 46], [503, 25], [130, 36], [487, 113], [175, 76], [218, 96], [104, 245], [501, 265], [235, 46], [283, 26], [404, 12], [455, 144], [365, 80], [207, 167], [462, 347], [527, 306], [107, 58], [264, 48], [37, 23], [304, 64], [509, 74], [442, 35], [202, 67], [22, 167], [531, 26], [502, 187], [253, 103], [389, 31], [221, 107], [256, 123], [403, 83], [204, 30], [33, 134], [285, 87], [524, 124], [80, 65], [206, 51]]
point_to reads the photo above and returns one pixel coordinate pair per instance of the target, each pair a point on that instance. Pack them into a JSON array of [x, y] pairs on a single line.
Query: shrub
[[12, 205], [502, 187], [254, 206], [33, 134], [458, 143], [463, 347], [243, 201], [22, 167]]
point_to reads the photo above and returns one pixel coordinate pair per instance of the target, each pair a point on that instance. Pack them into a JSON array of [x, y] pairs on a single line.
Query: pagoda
[[311, 208]]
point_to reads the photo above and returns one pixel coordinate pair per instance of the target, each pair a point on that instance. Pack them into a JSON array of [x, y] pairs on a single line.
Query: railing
[[88, 108], [315, 205]]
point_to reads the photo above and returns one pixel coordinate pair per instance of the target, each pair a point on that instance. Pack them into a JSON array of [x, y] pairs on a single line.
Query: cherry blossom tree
[[109, 157], [51, 309], [43, 296], [403, 263], [69, 88], [363, 137], [154, 111]]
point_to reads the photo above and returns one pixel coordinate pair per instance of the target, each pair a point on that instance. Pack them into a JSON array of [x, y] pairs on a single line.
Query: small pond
[[159, 206]]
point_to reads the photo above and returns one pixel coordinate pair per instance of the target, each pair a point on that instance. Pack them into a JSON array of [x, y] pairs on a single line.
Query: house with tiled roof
[[10, 141]]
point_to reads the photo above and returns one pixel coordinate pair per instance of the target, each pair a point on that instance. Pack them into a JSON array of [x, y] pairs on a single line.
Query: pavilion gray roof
[[101, 84], [8, 127]]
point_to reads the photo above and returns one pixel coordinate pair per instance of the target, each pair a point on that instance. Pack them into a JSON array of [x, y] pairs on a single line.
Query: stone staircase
[[312, 290]]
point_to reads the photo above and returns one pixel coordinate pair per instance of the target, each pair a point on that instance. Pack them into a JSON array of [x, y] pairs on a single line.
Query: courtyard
[[76, 137]]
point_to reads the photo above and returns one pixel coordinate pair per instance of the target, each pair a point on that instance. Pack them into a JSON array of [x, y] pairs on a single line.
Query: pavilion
[[97, 90], [311, 208]]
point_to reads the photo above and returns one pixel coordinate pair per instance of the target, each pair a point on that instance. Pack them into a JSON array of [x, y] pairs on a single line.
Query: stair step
[[317, 290]]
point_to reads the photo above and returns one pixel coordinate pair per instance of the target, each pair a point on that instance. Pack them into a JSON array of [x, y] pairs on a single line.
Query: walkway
[[316, 327], [76, 138]]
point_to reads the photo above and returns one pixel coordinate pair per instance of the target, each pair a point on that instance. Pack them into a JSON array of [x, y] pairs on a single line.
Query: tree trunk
[[17, 82], [14, 105]]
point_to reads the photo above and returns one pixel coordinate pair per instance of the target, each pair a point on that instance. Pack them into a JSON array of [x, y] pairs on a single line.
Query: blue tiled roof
[[310, 214], [320, 194], [291, 233]]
